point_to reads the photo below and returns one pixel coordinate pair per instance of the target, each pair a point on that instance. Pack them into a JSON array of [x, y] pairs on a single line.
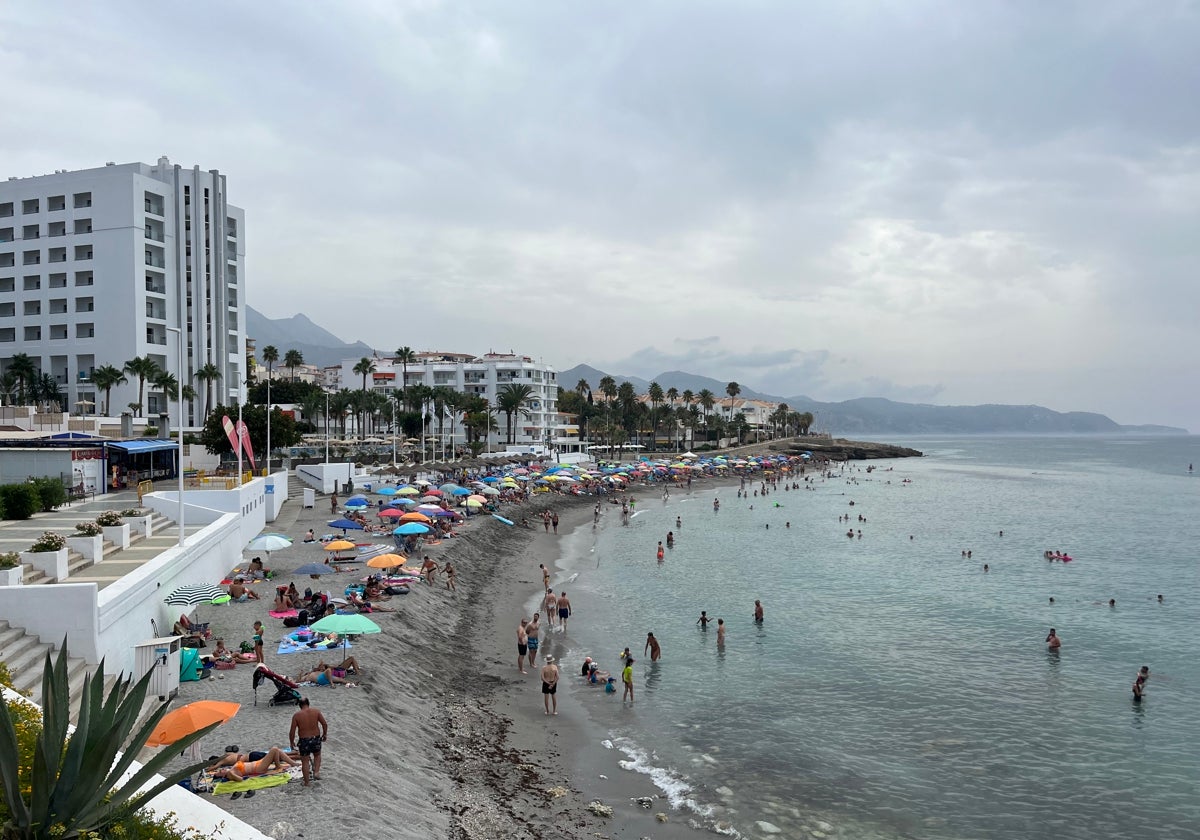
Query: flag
[[230, 432], [244, 434]]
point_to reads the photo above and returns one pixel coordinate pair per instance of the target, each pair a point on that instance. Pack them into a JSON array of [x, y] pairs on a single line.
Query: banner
[[230, 433], [244, 434]]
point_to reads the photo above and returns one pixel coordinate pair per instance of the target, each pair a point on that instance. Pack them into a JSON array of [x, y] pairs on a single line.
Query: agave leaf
[[9, 753], [48, 748], [80, 748]]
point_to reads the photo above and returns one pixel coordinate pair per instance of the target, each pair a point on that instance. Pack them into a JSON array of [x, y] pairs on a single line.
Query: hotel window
[[83, 225], [85, 304], [83, 252], [6, 234], [85, 330], [8, 259], [6, 209], [33, 307], [30, 232], [8, 284], [9, 334], [32, 283], [83, 278], [30, 205], [57, 281], [8, 310], [32, 258], [56, 202], [33, 333], [83, 199]]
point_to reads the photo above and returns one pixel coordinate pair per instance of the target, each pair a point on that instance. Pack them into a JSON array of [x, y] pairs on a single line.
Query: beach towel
[[283, 614], [286, 646], [253, 783]]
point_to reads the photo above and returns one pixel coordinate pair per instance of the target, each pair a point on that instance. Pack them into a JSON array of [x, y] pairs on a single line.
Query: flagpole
[[239, 442]]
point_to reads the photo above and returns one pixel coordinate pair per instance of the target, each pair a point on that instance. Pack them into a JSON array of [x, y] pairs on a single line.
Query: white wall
[[325, 477], [124, 608], [249, 502], [276, 489], [51, 611]]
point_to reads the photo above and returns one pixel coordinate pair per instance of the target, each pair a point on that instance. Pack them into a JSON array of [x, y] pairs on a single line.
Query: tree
[[143, 367], [22, 367], [732, 389], [655, 395], [168, 384], [405, 356], [270, 355], [707, 401], [672, 395], [511, 400], [106, 378], [45, 389], [292, 359], [364, 368], [804, 422], [283, 428], [208, 374]]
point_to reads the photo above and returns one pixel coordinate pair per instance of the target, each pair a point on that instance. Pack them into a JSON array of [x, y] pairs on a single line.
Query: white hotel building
[[466, 373], [96, 264]]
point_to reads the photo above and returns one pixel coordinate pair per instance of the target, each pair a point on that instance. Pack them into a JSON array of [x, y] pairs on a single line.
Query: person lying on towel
[[235, 767]]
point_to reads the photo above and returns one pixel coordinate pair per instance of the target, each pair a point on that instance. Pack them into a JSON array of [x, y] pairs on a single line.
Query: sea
[[896, 689]]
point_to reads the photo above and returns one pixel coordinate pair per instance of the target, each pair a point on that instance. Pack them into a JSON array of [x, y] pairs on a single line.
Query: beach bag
[[246, 647]]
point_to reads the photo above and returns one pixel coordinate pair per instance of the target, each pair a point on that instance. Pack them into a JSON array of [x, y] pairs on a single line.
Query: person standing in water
[[720, 632], [758, 612], [1052, 641], [1139, 683], [652, 648], [659, 553], [627, 678], [564, 610], [703, 620]]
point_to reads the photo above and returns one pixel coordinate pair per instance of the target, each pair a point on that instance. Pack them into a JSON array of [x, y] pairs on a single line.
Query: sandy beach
[[443, 737]]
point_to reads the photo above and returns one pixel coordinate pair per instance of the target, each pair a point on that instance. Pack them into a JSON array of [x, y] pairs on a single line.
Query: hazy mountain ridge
[[318, 346], [877, 415]]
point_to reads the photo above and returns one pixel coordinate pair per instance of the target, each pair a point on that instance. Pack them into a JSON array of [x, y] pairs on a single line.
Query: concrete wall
[[276, 490], [51, 611], [249, 502], [124, 608], [325, 478]]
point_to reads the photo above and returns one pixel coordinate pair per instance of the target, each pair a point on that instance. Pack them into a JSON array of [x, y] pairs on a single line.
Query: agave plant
[[73, 787]]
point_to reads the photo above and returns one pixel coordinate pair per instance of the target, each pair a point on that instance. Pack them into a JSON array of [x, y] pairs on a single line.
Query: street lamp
[[179, 432], [393, 402], [268, 426], [326, 427]]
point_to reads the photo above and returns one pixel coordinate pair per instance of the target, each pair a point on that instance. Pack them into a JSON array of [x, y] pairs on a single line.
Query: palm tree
[[707, 401], [364, 367], [655, 393], [45, 389], [444, 398], [8, 387], [21, 366], [143, 367], [189, 393], [405, 356], [672, 395], [511, 400], [106, 378], [270, 355], [168, 384], [208, 374], [292, 359], [732, 389]]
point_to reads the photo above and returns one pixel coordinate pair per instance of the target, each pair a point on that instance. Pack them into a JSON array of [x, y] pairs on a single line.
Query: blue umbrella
[[358, 500], [491, 479], [410, 528], [313, 569], [386, 491], [402, 502], [345, 525], [460, 491]]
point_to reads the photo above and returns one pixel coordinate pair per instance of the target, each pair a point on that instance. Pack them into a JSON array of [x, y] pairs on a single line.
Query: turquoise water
[[895, 689]]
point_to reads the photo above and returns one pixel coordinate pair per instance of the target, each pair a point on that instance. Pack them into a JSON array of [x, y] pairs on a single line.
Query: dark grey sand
[[444, 737]]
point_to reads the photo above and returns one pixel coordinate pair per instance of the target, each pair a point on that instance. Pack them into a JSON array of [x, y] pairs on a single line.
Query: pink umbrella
[[434, 493]]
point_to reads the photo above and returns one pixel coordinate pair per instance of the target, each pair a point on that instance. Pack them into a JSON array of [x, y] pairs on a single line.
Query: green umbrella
[[351, 624]]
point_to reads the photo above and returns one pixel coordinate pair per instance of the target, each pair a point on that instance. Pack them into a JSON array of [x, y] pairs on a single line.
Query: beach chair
[[194, 628]]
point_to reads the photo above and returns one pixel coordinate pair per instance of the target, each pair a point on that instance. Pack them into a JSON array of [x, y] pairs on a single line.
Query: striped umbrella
[[200, 593]]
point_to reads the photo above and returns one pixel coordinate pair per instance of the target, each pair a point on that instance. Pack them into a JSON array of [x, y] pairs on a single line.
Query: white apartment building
[[97, 264], [482, 375]]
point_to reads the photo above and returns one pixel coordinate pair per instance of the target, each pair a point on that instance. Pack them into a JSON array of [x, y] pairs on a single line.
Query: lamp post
[[179, 432], [393, 402], [268, 426], [326, 427]]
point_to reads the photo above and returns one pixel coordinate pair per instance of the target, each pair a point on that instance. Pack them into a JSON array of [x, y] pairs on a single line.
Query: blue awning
[[138, 447]]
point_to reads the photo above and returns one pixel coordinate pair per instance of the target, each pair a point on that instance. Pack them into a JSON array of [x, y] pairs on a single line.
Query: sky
[[941, 202]]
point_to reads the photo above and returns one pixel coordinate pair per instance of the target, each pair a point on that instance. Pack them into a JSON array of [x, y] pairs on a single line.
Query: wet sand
[[444, 737]]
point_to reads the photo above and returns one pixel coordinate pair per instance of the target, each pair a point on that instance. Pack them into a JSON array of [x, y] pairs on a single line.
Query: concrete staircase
[[76, 562], [25, 656]]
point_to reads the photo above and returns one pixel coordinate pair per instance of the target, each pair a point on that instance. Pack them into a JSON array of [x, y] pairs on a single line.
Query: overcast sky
[[946, 202]]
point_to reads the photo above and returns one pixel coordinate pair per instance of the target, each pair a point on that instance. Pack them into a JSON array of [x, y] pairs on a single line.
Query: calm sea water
[[895, 689]]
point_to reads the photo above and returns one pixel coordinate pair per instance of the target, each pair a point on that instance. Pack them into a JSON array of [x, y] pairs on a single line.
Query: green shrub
[[8, 560], [150, 431], [20, 501], [51, 492], [109, 519], [49, 541], [88, 529]]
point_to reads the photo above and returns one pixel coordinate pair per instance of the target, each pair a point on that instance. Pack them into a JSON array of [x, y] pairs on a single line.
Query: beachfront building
[[97, 266], [484, 376]]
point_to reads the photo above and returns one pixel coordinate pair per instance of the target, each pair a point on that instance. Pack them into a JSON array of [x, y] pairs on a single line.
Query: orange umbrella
[[339, 545], [190, 718], [387, 561], [415, 517]]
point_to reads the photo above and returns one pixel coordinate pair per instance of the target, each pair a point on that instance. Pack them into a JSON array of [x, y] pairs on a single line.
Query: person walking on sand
[[550, 685], [545, 575], [652, 648], [448, 571], [333, 502], [550, 601], [429, 570], [564, 610], [627, 678], [309, 729], [522, 645], [258, 643], [554, 521], [532, 631]]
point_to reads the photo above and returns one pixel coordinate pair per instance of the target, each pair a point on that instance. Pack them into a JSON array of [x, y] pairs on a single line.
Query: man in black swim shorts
[[311, 729], [550, 685]]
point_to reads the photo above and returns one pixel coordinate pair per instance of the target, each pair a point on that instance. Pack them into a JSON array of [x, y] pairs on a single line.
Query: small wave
[[674, 787], [636, 515]]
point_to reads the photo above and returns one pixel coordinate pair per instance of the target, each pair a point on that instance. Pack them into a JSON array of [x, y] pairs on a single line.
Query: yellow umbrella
[[407, 491], [387, 561], [474, 503], [339, 545]]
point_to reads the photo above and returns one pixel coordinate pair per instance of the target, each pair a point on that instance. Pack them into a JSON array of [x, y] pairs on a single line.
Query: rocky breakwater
[[840, 449]]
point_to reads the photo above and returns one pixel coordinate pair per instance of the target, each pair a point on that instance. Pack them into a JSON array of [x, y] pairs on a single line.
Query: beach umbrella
[[460, 491], [387, 561], [474, 503], [491, 479], [391, 512], [429, 507], [423, 482], [489, 491], [268, 543], [407, 490], [356, 508], [435, 492], [448, 487], [339, 545], [179, 723], [414, 516], [351, 624], [410, 528], [386, 491], [313, 569], [444, 513], [196, 594], [358, 499], [405, 502], [345, 524], [479, 499]]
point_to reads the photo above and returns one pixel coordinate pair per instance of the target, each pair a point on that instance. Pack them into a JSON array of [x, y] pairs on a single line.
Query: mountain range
[[863, 416]]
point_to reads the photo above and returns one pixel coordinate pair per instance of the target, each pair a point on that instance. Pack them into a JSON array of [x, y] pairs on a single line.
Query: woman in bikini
[[235, 767]]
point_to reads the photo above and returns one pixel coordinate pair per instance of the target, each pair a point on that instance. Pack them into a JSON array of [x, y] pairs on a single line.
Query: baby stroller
[[286, 691]]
